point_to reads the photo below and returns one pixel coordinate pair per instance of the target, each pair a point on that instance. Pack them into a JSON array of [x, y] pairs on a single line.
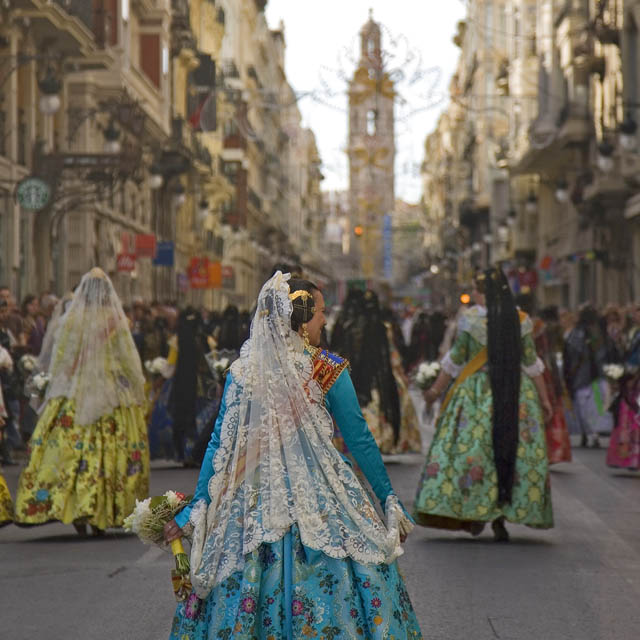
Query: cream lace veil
[[94, 359], [276, 464]]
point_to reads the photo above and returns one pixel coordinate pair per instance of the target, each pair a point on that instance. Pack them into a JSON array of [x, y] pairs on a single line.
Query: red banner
[[126, 262], [146, 245], [199, 273]]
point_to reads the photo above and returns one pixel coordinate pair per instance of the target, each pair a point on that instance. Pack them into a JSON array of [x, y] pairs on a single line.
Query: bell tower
[[371, 151]]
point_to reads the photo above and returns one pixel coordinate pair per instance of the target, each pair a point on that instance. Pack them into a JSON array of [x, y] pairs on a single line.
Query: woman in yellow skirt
[[89, 453], [6, 505]]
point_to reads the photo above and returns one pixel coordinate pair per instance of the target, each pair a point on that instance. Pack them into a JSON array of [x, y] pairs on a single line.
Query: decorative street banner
[[145, 245], [228, 277], [387, 241], [199, 273], [164, 255], [126, 262], [215, 275]]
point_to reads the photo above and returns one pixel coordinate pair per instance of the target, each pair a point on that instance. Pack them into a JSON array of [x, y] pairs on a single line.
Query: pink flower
[[192, 607], [248, 605], [353, 613], [376, 602], [476, 473], [366, 584], [297, 608], [432, 469]]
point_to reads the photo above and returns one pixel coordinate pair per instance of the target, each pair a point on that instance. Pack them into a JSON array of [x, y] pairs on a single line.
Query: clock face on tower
[[33, 194]]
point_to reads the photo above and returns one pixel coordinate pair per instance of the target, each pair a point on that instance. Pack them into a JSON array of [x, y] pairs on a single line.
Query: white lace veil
[[46, 351], [277, 465], [95, 362]]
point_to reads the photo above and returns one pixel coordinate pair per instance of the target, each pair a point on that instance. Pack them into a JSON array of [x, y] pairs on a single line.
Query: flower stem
[[182, 560]]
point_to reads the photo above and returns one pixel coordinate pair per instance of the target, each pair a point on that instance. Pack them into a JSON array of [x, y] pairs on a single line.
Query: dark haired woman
[[584, 357], [548, 340], [488, 460], [286, 542]]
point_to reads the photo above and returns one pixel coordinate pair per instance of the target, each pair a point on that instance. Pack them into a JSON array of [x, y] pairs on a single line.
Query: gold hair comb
[[301, 293]]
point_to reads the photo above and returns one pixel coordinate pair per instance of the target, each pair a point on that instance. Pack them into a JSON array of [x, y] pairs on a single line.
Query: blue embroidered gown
[[287, 590]]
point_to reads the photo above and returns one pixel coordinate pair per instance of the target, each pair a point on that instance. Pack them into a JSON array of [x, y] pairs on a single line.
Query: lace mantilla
[[276, 463], [474, 322], [94, 360]]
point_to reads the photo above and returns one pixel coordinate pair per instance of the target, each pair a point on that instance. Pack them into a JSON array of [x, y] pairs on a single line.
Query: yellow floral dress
[[84, 473], [6, 505]]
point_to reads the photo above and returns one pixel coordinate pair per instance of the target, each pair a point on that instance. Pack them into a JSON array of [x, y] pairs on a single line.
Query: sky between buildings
[[322, 49]]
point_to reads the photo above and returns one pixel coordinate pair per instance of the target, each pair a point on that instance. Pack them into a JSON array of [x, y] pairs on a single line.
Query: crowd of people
[[286, 411]]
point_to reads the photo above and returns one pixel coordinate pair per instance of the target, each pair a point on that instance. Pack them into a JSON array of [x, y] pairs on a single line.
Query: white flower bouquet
[[36, 385], [159, 367], [613, 371], [28, 364], [148, 520], [426, 374], [217, 365]]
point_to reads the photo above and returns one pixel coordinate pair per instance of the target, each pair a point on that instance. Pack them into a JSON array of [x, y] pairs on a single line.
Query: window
[[371, 46], [124, 6], [372, 122]]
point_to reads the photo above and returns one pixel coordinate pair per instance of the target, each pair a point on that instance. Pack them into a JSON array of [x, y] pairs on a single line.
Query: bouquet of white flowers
[[217, 365], [28, 364], [159, 367], [147, 522], [426, 374], [613, 371], [36, 385]]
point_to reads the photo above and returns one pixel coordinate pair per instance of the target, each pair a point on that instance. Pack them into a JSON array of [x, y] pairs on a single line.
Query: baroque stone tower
[[371, 151]]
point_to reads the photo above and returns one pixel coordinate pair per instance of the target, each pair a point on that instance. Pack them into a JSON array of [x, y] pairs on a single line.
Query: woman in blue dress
[[286, 542]]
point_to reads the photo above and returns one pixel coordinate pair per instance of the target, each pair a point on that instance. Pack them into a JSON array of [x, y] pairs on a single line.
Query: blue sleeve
[[206, 470], [342, 403]]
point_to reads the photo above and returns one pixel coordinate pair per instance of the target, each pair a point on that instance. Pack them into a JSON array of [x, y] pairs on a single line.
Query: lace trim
[[450, 367], [535, 369]]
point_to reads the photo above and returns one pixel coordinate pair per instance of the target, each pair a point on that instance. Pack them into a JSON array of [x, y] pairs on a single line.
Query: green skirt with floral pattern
[[459, 482]]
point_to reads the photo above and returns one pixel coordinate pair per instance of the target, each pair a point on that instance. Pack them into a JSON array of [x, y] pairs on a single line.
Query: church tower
[[371, 152]]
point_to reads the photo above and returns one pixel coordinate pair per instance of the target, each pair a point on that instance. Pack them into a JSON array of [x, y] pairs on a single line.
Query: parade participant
[[487, 461], [583, 359], [286, 542], [548, 341], [189, 389], [373, 377], [6, 505], [89, 457], [409, 439], [624, 445]]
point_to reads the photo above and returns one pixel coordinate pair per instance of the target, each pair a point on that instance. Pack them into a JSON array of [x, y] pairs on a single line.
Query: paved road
[[579, 581]]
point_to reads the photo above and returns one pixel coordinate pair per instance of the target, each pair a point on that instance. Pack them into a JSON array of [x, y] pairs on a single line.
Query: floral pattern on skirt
[[624, 445], [459, 481], [84, 473], [6, 504], [334, 599]]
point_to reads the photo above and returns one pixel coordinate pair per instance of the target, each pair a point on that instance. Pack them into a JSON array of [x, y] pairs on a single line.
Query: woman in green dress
[[488, 459]]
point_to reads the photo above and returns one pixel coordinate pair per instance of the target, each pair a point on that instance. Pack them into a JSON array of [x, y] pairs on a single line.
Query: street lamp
[[628, 129], [203, 209], [156, 179], [604, 160], [179, 195], [49, 88], [562, 191], [531, 203], [111, 138]]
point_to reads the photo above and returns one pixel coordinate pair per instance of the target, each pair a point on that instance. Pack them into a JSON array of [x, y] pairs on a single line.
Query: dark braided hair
[[303, 306], [504, 347]]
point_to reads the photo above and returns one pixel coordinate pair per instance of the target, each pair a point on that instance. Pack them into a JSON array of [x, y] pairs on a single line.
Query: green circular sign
[[33, 194]]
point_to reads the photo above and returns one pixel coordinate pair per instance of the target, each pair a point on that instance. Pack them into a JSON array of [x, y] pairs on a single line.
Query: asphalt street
[[578, 581]]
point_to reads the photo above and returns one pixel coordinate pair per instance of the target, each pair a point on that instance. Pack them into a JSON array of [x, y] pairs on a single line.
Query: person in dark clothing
[[584, 357]]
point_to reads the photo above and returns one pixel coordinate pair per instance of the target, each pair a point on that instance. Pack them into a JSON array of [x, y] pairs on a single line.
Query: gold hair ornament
[[301, 293]]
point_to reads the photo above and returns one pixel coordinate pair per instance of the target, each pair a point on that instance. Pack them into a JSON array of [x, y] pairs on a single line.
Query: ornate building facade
[[371, 150]]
